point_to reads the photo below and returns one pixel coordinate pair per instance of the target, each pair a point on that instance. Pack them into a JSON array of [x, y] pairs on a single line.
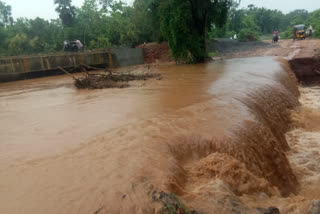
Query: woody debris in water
[[109, 79]]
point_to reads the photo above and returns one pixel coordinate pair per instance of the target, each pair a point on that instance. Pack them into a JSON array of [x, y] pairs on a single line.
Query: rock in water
[[269, 210], [315, 209]]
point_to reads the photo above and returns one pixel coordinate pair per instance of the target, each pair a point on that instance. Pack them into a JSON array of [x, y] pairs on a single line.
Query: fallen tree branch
[[72, 69], [119, 80], [83, 69], [68, 73], [78, 81], [90, 67]]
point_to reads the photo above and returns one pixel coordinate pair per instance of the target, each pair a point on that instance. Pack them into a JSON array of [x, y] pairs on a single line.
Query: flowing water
[[214, 134]]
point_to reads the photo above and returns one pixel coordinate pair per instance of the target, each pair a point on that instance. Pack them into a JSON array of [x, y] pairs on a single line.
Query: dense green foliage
[[5, 14], [98, 24], [101, 23], [66, 11], [314, 20], [184, 23]]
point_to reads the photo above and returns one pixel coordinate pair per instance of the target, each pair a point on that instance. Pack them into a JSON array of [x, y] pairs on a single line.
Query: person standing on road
[[79, 45], [310, 31], [65, 44], [294, 33], [275, 36]]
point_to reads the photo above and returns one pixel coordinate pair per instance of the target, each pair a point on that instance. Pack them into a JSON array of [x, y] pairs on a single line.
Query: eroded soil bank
[[306, 69]]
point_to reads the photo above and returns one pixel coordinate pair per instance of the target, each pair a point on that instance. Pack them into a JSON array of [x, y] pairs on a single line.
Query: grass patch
[[171, 204], [213, 54]]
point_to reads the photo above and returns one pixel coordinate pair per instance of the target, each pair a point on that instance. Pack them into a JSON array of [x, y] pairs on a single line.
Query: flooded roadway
[[68, 151], [46, 116]]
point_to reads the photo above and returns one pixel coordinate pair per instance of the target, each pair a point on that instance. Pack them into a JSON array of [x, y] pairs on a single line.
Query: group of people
[[234, 37], [73, 46]]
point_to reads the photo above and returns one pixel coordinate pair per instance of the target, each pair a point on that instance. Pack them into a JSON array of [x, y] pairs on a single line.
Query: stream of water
[[209, 133]]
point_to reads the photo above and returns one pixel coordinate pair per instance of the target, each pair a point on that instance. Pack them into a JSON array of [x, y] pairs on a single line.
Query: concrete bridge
[[25, 67]]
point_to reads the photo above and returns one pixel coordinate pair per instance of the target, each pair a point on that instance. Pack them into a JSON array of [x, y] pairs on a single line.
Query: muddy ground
[[228, 47], [225, 48], [288, 49], [155, 52]]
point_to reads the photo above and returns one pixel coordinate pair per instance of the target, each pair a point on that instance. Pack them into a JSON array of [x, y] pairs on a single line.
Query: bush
[[288, 34], [248, 35], [314, 21], [230, 34], [220, 32]]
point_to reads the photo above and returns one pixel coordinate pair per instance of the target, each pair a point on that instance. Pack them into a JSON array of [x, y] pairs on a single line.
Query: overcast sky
[[284, 5], [38, 8], [45, 8]]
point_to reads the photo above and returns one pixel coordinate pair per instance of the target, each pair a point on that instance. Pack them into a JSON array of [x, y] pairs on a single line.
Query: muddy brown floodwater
[[213, 134]]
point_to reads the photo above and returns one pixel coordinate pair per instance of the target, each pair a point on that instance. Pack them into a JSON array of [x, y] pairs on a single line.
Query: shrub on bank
[[248, 35], [314, 21], [220, 33]]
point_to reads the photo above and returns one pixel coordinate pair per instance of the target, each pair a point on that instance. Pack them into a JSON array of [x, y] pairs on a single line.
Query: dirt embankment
[[155, 52], [306, 69], [305, 61]]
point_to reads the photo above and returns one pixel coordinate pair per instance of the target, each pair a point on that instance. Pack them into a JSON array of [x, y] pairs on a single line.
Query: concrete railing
[[24, 67]]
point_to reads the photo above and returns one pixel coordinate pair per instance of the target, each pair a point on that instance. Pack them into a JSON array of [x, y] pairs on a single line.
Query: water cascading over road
[[208, 133]]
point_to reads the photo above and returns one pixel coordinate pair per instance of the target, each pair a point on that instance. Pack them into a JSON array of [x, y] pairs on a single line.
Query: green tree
[[184, 23], [250, 30], [89, 22], [66, 11], [120, 25], [146, 20], [249, 23], [5, 14], [314, 21], [5, 19], [235, 19], [44, 34], [105, 4], [18, 44]]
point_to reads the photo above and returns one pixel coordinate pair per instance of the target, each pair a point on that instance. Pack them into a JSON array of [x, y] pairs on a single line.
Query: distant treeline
[[104, 23], [254, 21]]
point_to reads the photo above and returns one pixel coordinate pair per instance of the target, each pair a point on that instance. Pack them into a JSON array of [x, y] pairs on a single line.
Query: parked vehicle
[[299, 31], [70, 46]]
